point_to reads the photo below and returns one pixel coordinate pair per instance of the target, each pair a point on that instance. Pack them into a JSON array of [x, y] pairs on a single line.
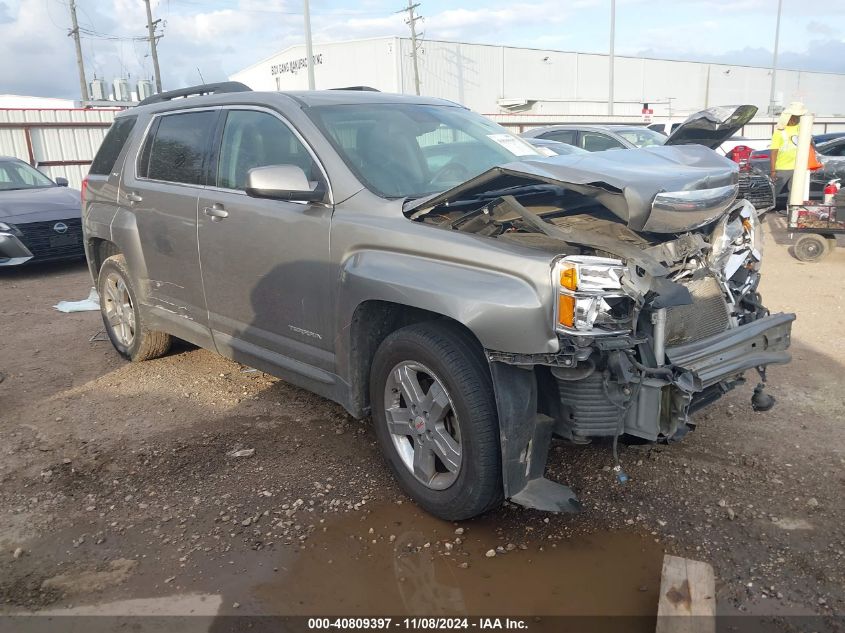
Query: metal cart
[[816, 226]]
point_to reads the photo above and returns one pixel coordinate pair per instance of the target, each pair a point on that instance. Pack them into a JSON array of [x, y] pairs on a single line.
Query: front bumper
[[12, 250], [720, 357], [535, 402], [42, 241]]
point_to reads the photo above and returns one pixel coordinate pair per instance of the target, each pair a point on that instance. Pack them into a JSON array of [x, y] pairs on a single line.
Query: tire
[[810, 247], [122, 317], [427, 355]]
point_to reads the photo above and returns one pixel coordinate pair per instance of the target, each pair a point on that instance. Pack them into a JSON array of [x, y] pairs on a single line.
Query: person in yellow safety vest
[[784, 147]]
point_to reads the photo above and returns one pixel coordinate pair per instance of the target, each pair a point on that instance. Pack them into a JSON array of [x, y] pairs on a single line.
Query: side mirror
[[62, 182], [282, 182]]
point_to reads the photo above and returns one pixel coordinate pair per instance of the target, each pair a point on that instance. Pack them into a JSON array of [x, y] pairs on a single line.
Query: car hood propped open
[[657, 189], [713, 126]]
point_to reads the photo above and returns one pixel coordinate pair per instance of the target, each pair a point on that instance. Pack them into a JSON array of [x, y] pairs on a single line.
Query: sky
[[207, 40]]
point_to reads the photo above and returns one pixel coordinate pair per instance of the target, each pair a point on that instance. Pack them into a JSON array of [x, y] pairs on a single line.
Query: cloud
[[824, 55], [5, 14], [222, 36]]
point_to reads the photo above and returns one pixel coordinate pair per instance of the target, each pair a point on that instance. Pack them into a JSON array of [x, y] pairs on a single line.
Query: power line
[[411, 21]]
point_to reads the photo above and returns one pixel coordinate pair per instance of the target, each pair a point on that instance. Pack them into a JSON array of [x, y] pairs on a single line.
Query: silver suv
[[418, 263]]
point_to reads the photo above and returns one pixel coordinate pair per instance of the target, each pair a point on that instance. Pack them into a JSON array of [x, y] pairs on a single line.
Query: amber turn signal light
[[566, 310]]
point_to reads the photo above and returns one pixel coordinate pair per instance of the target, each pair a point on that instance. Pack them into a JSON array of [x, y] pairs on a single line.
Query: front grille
[[44, 242], [758, 189], [707, 315]]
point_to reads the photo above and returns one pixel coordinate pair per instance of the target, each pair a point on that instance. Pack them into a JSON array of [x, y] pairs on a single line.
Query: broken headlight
[[590, 299], [736, 241]]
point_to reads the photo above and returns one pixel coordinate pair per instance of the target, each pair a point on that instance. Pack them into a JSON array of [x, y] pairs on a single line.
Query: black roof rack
[[365, 88], [205, 89]]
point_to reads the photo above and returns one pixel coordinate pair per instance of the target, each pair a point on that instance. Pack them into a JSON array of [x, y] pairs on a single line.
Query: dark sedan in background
[[40, 219]]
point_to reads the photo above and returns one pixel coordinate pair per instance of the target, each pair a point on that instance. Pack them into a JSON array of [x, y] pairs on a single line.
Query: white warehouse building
[[536, 85]]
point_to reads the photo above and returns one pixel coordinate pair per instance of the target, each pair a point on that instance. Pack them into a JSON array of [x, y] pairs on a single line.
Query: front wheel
[[435, 418]]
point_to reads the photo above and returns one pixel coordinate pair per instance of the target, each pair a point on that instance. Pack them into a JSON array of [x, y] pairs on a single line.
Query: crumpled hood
[[631, 183], [713, 126], [27, 205]]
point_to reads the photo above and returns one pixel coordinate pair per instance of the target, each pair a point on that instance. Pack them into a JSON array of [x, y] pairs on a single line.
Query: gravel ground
[[192, 473]]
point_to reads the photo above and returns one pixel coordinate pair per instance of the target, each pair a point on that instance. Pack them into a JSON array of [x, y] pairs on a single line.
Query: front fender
[[504, 311]]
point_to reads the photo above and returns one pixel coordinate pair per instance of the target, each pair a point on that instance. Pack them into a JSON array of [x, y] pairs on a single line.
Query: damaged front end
[[656, 311]]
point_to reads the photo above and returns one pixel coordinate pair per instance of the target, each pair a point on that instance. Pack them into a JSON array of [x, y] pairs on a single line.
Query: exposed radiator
[[586, 410], [707, 315]]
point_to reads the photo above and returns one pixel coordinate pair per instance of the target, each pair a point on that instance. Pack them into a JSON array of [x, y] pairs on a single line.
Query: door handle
[[216, 212], [133, 197]]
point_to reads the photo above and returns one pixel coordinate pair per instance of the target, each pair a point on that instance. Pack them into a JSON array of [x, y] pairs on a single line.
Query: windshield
[[642, 136], [412, 150], [15, 174]]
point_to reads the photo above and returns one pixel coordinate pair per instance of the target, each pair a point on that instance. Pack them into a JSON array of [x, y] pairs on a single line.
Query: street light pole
[[775, 61], [309, 51], [611, 59]]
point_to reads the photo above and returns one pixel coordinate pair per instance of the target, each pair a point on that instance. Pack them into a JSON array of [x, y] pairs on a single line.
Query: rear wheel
[[810, 247], [122, 316], [435, 417]]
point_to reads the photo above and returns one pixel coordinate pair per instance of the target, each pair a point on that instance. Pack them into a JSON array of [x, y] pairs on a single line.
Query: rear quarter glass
[[112, 145]]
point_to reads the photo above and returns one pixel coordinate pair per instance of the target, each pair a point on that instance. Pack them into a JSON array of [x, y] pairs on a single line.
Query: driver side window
[[258, 139]]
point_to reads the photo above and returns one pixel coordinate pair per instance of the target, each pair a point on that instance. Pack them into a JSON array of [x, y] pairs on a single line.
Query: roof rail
[[364, 88], [191, 91]]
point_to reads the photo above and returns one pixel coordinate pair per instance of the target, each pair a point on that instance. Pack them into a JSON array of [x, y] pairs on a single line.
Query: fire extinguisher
[[830, 191]]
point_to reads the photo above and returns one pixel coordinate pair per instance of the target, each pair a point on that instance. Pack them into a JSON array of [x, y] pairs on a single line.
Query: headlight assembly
[[590, 299]]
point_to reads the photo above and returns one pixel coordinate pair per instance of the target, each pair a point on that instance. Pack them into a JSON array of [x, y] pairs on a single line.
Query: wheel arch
[[371, 323]]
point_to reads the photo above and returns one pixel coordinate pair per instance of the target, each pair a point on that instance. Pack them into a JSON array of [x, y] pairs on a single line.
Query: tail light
[[83, 190], [741, 154]]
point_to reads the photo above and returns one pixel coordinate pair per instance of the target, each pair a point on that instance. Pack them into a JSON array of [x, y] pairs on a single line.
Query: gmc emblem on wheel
[[60, 227]]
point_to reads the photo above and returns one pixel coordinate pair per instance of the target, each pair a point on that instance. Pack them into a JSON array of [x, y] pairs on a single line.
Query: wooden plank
[[687, 597]]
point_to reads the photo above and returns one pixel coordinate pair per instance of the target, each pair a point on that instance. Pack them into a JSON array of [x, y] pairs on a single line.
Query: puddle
[[346, 570]]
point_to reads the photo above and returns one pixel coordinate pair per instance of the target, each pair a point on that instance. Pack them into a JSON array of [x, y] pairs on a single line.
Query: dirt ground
[[119, 492]]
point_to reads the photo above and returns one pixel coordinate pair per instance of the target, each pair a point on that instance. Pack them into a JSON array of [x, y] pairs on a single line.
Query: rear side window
[[595, 142], [176, 150], [562, 136], [116, 138]]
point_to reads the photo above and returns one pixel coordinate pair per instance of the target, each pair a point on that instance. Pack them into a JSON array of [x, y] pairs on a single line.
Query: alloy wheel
[[423, 424], [120, 313]]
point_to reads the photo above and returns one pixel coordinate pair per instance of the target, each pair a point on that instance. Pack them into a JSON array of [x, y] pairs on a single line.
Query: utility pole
[[74, 32], [412, 23], [611, 59], [309, 50], [775, 61], [151, 28]]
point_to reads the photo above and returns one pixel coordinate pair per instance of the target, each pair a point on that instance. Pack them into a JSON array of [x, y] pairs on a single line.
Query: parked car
[[831, 154], [39, 218], [473, 307], [829, 136], [596, 138], [756, 185]]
